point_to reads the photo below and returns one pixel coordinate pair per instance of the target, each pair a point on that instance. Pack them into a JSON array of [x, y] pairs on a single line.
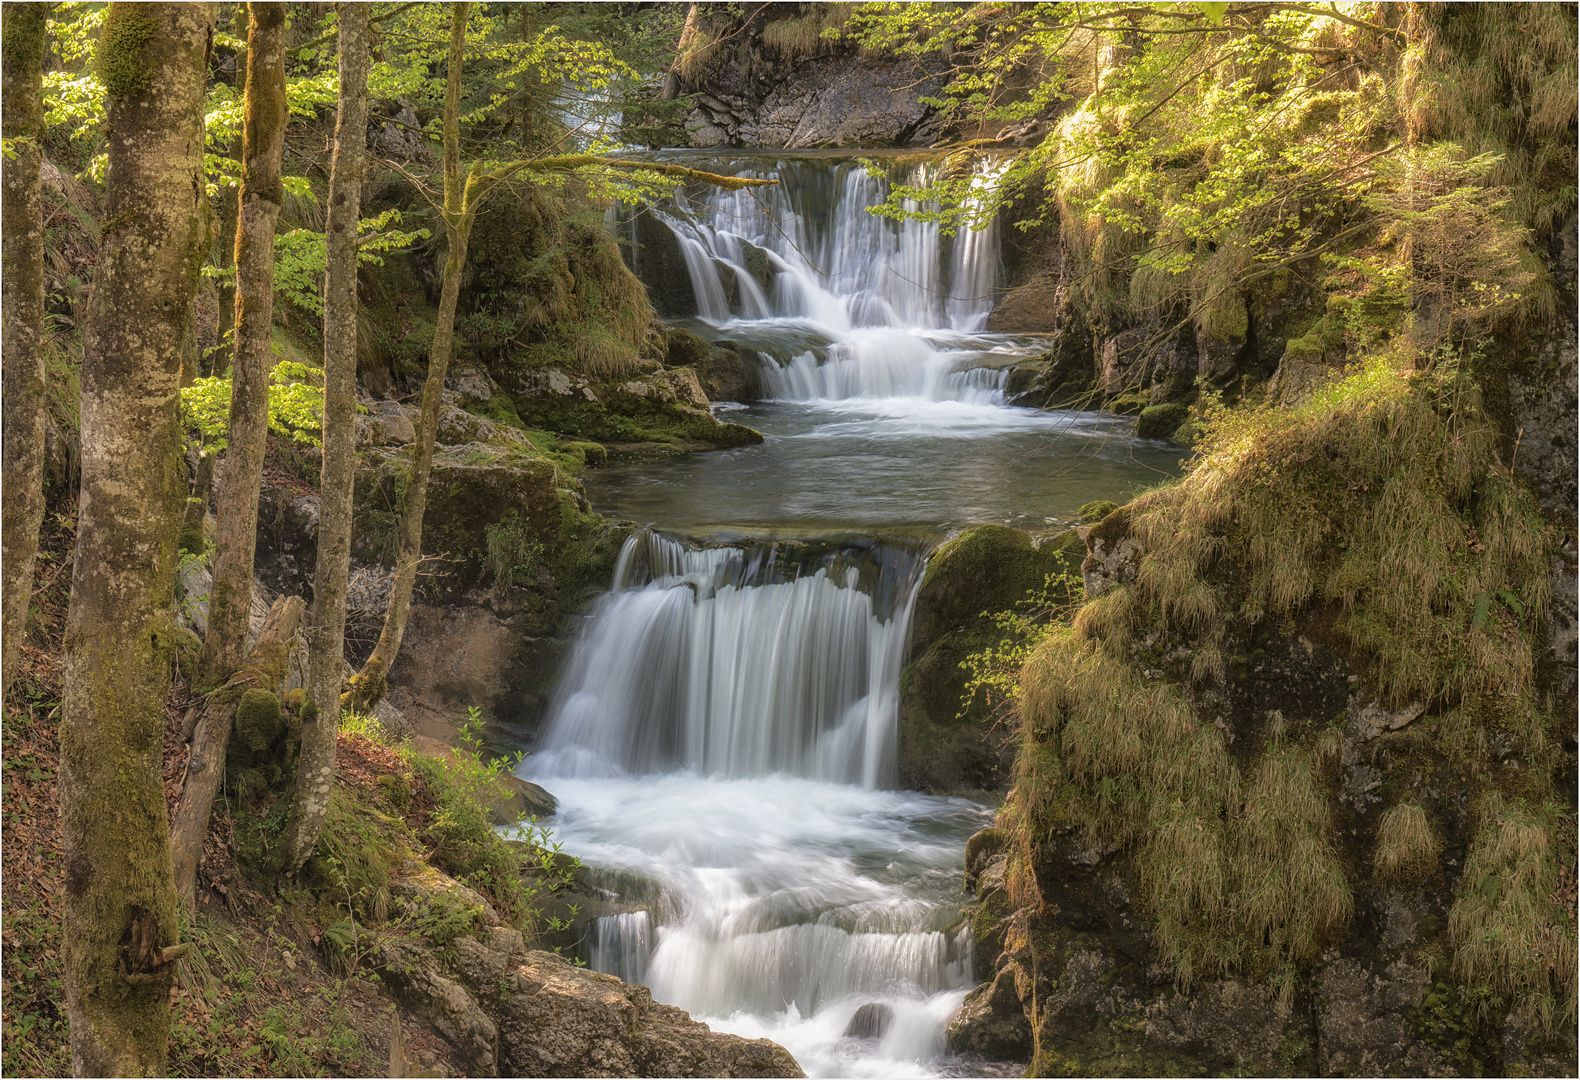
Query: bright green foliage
[[1206, 148], [296, 404], [300, 256]]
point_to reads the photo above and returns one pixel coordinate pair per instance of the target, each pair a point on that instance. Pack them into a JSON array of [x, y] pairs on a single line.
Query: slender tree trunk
[[368, 685], [688, 36], [241, 474], [120, 903], [327, 631], [265, 670], [22, 321]]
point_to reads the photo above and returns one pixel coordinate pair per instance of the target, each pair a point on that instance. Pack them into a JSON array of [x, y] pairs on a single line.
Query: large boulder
[[556, 1019]]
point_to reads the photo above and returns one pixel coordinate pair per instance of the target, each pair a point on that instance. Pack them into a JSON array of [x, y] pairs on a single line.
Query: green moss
[[590, 454], [686, 348], [1161, 421], [1096, 511], [259, 720], [22, 38], [1130, 404], [120, 66], [191, 538]]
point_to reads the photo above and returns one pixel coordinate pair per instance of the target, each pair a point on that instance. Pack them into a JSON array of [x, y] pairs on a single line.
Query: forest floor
[[261, 995]]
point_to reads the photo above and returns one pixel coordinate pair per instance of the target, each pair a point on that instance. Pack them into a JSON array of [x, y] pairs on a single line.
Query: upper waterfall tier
[[810, 249]]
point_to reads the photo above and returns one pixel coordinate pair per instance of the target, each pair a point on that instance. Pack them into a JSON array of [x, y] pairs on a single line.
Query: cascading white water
[[862, 283], [724, 733], [722, 665], [723, 738]]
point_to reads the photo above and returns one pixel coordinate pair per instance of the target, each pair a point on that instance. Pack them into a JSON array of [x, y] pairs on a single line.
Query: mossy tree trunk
[[240, 474], [22, 321], [368, 685], [120, 903], [327, 631], [265, 670]]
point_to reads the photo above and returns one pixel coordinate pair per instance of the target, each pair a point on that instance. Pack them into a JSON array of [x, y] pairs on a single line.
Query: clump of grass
[[1407, 845], [805, 34], [1508, 926], [1379, 501]]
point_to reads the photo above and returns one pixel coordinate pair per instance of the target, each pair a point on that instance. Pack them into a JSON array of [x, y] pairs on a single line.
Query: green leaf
[[1214, 12], [1512, 602], [1479, 619]]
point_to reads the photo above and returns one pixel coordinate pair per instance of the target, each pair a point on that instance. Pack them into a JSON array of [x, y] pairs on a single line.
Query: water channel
[[724, 732]]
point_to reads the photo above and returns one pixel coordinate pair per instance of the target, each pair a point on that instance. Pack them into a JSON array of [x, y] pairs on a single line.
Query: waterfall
[[738, 661], [881, 294]]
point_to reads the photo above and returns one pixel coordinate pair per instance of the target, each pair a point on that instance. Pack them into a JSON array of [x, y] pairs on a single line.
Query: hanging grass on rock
[[1377, 516]]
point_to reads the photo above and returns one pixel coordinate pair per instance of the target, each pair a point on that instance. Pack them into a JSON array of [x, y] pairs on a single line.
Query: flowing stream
[[722, 742]]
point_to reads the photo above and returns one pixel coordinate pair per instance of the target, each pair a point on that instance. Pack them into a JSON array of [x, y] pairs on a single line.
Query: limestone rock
[[1365, 1022], [1113, 555], [561, 1020], [522, 798], [415, 978], [988, 568], [392, 720], [415, 879]]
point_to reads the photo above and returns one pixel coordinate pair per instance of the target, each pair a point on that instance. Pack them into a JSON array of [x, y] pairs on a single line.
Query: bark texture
[[327, 630], [120, 905], [266, 670], [22, 320], [241, 471], [460, 209]]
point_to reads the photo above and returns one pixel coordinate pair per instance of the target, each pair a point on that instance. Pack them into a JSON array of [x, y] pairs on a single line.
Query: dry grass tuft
[[1407, 845], [1508, 928]]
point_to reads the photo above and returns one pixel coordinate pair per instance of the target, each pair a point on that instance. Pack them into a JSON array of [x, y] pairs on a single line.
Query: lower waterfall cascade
[[723, 738]]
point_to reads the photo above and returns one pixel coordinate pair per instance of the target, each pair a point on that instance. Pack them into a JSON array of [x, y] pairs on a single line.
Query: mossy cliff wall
[[1294, 789]]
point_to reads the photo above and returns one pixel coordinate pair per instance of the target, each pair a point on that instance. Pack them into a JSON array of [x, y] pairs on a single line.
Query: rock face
[[820, 94], [1072, 959], [515, 1012], [989, 568]]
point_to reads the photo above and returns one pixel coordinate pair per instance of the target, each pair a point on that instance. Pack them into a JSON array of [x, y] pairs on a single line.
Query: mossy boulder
[[985, 570], [666, 408], [521, 551], [1096, 510], [1062, 378], [730, 372], [264, 745], [1161, 421]]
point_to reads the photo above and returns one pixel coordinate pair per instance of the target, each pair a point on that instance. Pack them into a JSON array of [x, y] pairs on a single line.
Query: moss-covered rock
[[985, 570], [667, 408], [1161, 421], [1096, 510]]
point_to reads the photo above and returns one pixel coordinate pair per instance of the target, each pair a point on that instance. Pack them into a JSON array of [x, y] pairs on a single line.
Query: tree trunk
[[266, 669], [241, 473], [688, 36], [22, 322], [120, 904], [327, 631], [368, 685]]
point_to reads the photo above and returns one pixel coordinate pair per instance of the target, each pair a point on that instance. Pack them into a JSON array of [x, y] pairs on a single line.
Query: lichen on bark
[[119, 881]]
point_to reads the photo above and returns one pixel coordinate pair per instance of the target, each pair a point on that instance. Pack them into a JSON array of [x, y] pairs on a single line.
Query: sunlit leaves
[[296, 405]]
